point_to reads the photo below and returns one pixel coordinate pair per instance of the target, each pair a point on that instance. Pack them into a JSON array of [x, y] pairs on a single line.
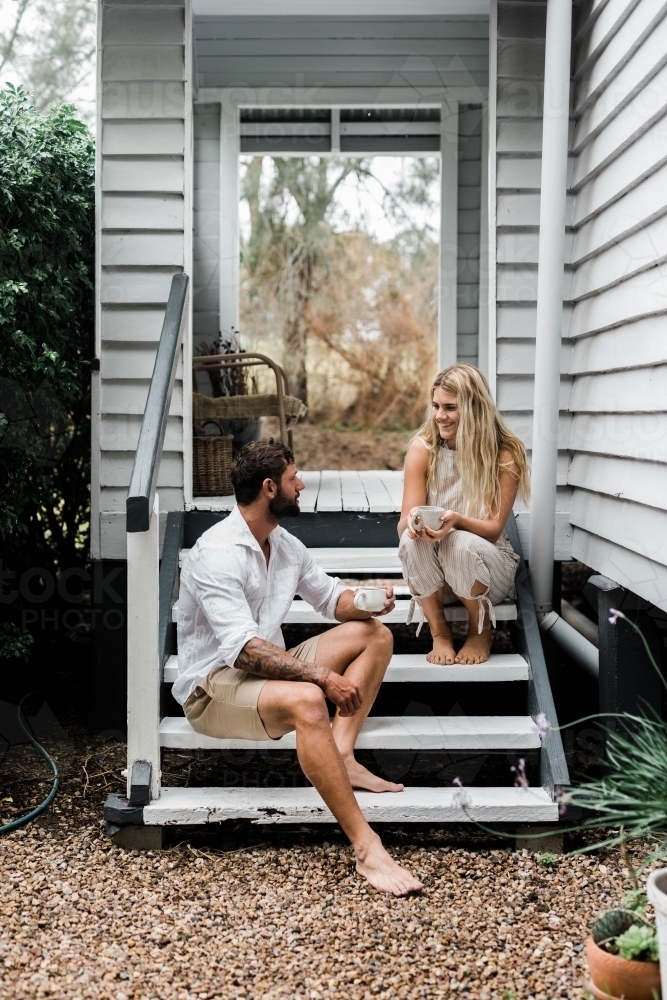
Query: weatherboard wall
[[519, 33], [144, 237], [618, 404]]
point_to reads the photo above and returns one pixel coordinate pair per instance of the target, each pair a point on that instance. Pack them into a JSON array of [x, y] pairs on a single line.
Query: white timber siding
[[144, 237], [618, 435], [519, 32]]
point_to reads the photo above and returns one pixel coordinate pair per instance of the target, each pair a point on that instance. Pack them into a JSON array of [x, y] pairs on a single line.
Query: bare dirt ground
[[318, 447], [262, 913]]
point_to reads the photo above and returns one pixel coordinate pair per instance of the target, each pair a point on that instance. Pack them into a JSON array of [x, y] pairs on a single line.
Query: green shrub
[[15, 642], [46, 332]]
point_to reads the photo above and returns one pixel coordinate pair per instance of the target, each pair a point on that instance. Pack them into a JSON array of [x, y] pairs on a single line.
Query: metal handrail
[[143, 481]]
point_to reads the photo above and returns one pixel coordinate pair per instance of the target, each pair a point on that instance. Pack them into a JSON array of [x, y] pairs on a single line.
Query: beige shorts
[[224, 705]]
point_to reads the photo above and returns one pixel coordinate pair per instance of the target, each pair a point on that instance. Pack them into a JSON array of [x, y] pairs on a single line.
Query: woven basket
[[239, 407], [212, 461]]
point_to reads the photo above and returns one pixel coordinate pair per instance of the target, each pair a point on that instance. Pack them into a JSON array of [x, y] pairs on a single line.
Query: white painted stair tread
[[415, 667], [193, 806], [302, 613], [348, 561], [406, 732]]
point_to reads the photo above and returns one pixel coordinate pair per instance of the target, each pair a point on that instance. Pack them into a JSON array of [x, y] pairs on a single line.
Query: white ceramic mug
[[370, 598], [427, 517]]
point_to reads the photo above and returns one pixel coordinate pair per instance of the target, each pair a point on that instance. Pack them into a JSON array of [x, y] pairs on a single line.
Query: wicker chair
[[213, 453]]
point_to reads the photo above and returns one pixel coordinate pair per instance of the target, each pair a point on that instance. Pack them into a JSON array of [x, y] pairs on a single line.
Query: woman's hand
[[412, 533], [449, 521]]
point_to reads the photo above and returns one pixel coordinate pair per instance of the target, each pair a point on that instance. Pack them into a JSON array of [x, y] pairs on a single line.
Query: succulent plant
[[611, 923], [638, 943]]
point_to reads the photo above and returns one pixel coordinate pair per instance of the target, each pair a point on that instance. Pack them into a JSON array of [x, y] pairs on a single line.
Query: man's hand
[[263, 659], [345, 694], [346, 611]]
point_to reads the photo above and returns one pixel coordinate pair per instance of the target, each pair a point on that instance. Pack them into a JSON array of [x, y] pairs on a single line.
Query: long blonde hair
[[482, 435]]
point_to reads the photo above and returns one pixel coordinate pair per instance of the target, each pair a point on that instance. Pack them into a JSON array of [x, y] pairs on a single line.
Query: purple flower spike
[[541, 726], [520, 779], [614, 615], [457, 782], [563, 799]]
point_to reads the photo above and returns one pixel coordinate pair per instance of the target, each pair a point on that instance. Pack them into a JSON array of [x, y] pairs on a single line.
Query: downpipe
[[546, 406], [572, 642]]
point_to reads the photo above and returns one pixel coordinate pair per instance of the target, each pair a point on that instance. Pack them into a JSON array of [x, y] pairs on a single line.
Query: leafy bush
[[15, 642], [46, 331]]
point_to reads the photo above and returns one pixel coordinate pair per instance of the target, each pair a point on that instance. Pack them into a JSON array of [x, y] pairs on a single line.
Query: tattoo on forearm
[[263, 659]]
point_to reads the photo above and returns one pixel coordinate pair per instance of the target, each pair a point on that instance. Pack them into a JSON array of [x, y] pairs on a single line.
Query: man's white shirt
[[228, 595]]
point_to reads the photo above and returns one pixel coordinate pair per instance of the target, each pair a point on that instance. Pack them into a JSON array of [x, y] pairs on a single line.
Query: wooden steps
[[427, 746], [301, 613], [407, 732], [415, 668], [194, 806]]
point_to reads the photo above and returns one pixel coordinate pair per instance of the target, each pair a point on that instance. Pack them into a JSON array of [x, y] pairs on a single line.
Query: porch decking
[[377, 491]]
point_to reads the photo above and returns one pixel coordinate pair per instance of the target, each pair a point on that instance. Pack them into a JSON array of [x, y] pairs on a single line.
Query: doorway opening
[[340, 231]]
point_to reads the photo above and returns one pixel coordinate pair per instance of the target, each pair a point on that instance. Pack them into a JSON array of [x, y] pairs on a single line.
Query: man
[[236, 681]]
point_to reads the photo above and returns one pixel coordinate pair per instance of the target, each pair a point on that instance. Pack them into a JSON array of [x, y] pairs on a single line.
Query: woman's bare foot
[[477, 647], [443, 650], [380, 869], [363, 779]]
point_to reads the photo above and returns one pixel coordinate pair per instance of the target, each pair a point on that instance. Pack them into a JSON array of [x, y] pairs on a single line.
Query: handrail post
[[143, 651]]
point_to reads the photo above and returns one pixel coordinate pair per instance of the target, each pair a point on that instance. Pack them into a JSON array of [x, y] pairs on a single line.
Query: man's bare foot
[[443, 649], [477, 647], [365, 780], [380, 869]]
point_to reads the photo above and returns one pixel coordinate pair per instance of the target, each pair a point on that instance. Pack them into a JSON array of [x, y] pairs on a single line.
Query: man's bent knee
[[310, 707], [378, 633]]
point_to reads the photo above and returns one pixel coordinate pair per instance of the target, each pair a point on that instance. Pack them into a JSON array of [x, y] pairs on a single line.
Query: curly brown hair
[[257, 461]]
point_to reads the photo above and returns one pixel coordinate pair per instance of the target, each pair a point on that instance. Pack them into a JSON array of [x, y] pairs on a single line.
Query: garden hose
[[22, 820]]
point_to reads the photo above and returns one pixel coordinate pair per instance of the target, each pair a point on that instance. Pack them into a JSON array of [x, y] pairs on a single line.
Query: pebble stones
[[281, 917]]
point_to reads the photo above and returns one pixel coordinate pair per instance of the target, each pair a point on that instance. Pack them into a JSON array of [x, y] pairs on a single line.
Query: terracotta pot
[[615, 978]]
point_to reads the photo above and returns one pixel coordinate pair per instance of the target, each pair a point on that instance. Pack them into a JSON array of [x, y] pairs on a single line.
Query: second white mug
[[427, 517], [370, 598]]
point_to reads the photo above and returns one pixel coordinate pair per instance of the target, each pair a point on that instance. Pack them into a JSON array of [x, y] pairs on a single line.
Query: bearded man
[[237, 681]]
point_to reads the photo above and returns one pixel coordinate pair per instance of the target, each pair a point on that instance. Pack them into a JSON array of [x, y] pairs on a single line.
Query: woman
[[464, 458]]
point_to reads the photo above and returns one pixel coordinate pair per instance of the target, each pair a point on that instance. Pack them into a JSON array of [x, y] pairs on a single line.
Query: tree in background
[[356, 317], [48, 46], [46, 333], [288, 255]]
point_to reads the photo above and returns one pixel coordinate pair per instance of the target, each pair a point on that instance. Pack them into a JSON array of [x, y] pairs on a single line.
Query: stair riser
[[432, 769], [335, 529], [427, 699]]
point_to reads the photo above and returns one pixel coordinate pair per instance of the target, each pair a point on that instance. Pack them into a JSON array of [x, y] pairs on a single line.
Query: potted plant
[[629, 798], [622, 953], [656, 888]]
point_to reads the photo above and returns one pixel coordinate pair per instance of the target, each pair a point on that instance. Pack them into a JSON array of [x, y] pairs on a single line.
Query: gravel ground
[[263, 913]]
